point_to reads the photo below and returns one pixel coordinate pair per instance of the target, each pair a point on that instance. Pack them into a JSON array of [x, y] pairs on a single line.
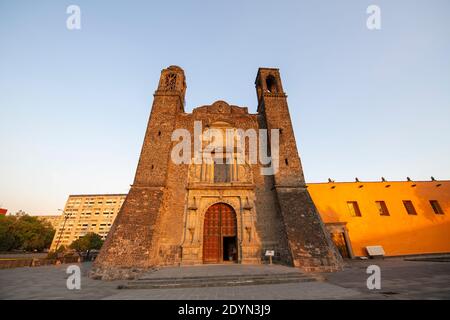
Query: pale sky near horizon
[[74, 105]]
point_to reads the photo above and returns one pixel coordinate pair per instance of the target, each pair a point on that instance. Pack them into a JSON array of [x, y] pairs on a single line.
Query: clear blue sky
[[74, 104]]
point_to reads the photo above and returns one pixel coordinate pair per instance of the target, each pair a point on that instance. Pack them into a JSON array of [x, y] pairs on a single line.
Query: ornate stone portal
[[162, 221], [233, 186]]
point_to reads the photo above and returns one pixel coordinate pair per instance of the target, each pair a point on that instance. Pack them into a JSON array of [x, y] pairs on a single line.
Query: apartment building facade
[[86, 213]]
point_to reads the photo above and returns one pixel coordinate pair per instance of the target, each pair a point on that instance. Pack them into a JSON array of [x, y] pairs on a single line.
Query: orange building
[[404, 217]]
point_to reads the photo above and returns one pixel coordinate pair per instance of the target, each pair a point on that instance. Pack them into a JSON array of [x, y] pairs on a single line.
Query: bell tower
[[133, 239], [272, 103], [167, 103], [172, 82], [309, 243]]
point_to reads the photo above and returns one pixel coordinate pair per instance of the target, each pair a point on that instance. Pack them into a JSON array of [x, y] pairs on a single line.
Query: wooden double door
[[220, 234]]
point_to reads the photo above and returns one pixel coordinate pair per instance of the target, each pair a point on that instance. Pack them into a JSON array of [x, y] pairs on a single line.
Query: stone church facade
[[213, 212]]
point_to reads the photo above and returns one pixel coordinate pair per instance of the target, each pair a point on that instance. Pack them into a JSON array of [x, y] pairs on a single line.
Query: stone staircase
[[152, 282]]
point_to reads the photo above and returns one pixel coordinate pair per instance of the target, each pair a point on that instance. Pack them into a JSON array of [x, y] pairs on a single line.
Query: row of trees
[[23, 232], [27, 233]]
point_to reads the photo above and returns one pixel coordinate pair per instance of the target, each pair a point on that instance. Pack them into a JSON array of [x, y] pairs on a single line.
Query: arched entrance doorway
[[220, 234]]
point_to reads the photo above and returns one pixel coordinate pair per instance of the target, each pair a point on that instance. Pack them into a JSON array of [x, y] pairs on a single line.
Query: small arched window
[[171, 81], [271, 84]]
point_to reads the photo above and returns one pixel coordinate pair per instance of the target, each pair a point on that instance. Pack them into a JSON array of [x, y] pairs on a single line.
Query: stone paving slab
[[49, 282], [286, 291], [218, 270], [400, 280]]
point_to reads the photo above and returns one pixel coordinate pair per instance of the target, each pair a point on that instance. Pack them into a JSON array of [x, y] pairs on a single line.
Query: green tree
[[8, 239], [87, 243], [25, 233], [33, 233]]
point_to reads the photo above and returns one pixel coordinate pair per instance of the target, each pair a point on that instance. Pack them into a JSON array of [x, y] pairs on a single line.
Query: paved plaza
[[400, 280]]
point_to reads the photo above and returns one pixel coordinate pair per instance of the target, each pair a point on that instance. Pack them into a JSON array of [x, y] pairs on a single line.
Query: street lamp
[[66, 216]]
